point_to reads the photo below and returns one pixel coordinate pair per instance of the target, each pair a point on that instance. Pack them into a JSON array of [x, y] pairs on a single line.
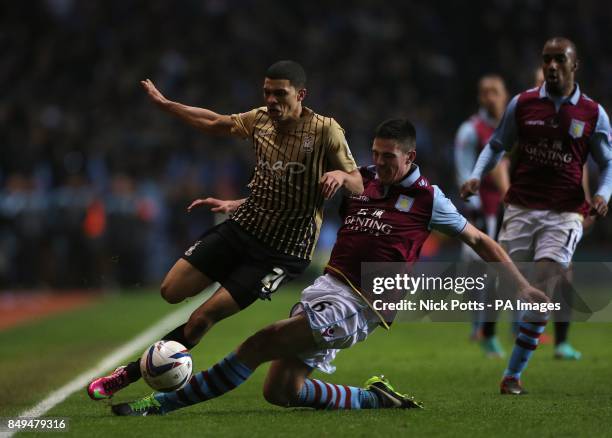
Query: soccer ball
[[166, 366]]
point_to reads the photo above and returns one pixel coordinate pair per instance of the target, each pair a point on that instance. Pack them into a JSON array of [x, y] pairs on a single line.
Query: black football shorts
[[243, 265]]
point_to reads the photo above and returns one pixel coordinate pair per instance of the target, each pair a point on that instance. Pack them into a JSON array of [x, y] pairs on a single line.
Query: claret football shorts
[[529, 235], [243, 265], [338, 319]]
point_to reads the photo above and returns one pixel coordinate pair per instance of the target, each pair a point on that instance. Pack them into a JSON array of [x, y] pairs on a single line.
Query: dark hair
[[564, 41], [290, 70], [491, 76], [400, 130]]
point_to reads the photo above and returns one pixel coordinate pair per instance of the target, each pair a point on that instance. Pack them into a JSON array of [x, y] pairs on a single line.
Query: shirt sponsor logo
[[548, 153], [372, 224], [280, 167], [576, 128], [308, 144], [404, 203]]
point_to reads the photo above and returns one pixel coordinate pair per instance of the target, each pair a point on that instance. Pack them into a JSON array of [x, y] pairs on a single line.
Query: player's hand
[[216, 205], [154, 93], [331, 182], [599, 206], [533, 295], [469, 188], [588, 222]]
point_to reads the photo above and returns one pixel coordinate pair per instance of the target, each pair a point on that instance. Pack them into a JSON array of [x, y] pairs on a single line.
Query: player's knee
[[201, 321], [168, 293], [277, 395]]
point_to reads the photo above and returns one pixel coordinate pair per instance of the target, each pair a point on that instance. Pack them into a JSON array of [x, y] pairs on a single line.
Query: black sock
[[133, 370], [561, 329], [565, 296], [178, 335], [488, 329]]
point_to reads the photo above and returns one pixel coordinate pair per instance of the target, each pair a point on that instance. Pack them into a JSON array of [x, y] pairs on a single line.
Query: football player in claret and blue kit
[[388, 222], [484, 209], [556, 128]]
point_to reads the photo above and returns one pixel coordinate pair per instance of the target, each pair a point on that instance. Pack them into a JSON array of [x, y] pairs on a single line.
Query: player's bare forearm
[[332, 181], [217, 205], [354, 182], [200, 118]]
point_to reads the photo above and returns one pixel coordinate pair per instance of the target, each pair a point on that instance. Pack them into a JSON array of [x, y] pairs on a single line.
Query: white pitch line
[[139, 343]]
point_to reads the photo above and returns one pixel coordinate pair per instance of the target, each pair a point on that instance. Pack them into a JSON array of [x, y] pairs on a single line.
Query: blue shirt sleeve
[[466, 145], [504, 136], [601, 150], [487, 160], [444, 215]]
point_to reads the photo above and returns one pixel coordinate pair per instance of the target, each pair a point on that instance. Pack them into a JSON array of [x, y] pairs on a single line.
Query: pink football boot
[[105, 387]]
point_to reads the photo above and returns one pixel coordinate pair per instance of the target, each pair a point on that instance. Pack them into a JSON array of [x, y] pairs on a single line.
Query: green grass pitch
[[435, 362]]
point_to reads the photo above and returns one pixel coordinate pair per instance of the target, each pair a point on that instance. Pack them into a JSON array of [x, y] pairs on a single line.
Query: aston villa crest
[[404, 203], [308, 144], [576, 128]]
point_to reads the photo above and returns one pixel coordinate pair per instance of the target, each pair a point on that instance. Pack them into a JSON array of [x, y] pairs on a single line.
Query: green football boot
[[388, 396], [138, 408]]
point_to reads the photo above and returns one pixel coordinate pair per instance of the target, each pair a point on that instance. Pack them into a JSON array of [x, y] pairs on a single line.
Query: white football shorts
[[338, 319], [529, 235]]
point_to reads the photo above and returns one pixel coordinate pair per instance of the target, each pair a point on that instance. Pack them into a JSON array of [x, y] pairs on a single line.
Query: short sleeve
[[244, 123], [444, 215], [339, 155]]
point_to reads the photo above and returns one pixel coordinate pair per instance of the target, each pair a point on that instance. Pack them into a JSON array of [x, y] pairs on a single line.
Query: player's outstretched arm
[[490, 251], [200, 118], [332, 181], [217, 205]]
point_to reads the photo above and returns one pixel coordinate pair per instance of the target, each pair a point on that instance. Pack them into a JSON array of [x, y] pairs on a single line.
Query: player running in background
[[483, 209], [301, 158], [563, 349], [556, 127], [336, 312]]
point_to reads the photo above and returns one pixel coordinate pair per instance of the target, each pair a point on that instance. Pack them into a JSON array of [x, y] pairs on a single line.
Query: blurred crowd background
[[95, 181]]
